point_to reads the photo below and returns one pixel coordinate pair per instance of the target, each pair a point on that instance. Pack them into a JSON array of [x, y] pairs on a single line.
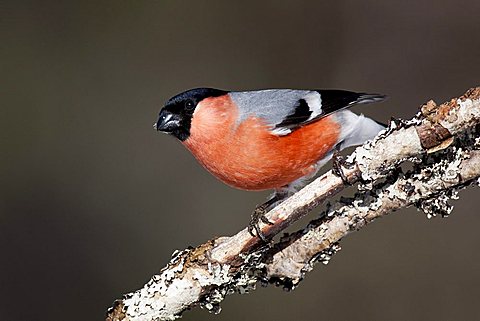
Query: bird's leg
[[337, 163], [258, 215]]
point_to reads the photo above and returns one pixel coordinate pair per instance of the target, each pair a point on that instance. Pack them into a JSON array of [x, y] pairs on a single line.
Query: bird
[[268, 139]]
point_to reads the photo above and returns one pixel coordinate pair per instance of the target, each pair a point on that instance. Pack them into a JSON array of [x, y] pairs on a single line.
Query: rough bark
[[442, 141]]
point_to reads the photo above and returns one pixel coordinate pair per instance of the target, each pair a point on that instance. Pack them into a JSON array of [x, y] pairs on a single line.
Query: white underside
[[356, 129]]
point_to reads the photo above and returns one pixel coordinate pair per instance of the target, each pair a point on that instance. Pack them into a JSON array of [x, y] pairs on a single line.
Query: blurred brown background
[[93, 201]]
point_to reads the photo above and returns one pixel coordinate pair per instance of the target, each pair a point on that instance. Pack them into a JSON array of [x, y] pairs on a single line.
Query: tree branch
[[441, 140], [427, 187]]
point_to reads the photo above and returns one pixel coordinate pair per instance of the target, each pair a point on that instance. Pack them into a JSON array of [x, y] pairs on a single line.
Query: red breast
[[247, 155]]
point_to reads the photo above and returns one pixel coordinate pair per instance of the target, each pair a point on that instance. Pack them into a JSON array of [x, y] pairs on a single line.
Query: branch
[[441, 140], [427, 187]]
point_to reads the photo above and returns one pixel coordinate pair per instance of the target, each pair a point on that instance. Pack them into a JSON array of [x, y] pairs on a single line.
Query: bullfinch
[[266, 139]]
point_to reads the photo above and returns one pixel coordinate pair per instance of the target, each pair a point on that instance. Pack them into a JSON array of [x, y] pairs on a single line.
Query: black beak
[[167, 122]]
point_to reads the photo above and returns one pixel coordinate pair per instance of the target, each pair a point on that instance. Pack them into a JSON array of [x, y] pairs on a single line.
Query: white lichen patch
[[467, 113], [375, 160], [211, 302], [153, 302], [326, 255], [216, 274], [438, 205]]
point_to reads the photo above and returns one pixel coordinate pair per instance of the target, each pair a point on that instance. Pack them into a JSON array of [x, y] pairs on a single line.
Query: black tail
[[334, 99], [369, 98]]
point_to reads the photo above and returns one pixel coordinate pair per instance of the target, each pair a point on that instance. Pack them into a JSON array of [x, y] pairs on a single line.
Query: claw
[[258, 216], [338, 163]]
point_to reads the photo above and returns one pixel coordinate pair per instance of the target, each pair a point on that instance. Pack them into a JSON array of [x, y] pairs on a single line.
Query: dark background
[[93, 201]]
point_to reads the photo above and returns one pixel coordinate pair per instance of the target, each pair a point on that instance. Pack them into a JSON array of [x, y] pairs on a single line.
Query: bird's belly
[[258, 175], [251, 158]]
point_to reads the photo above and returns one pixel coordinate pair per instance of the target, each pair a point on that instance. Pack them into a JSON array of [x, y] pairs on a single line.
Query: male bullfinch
[[266, 139]]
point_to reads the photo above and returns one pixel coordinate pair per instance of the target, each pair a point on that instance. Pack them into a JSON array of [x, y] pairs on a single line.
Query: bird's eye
[[189, 105]]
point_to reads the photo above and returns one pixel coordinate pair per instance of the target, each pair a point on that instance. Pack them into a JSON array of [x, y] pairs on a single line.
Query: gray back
[[272, 105]]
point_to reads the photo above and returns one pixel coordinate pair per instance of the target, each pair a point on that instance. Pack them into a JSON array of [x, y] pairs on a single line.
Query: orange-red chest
[[246, 155]]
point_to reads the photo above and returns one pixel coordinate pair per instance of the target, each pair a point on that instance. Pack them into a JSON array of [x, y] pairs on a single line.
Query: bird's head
[[175, 117]]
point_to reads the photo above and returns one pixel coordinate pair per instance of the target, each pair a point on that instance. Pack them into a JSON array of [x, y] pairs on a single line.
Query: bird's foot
[[337, 167], [258, 216]]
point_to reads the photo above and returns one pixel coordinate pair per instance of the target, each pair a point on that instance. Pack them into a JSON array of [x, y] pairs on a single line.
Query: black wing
[[331, 100]]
